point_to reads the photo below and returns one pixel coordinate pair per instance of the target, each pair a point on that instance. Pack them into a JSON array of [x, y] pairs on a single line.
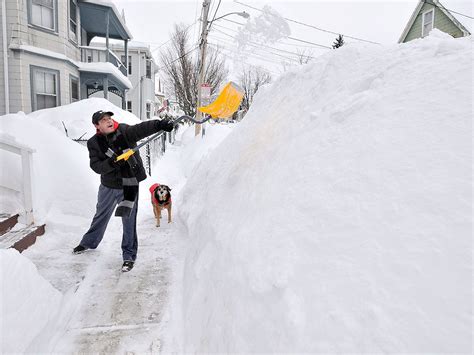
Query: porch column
[[125, 46], [124, 97], [106, 87], [107, 20]]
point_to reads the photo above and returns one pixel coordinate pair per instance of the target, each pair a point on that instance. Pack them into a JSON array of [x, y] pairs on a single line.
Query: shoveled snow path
[[107, 311], [103, 309]]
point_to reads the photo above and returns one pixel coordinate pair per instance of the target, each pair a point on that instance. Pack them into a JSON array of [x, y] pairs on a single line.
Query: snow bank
[[63, 183], [28, 302], [77, 117], [340, 222]]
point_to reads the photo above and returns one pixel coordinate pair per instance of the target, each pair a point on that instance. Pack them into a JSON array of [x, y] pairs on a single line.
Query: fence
[[26, 164]]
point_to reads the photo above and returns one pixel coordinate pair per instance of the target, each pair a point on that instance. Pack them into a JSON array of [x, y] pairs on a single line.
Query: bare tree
[[304, 56], [181, 71], [251, 80]]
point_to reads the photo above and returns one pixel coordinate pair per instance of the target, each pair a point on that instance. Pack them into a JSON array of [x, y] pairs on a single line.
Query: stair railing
[[26, 154]]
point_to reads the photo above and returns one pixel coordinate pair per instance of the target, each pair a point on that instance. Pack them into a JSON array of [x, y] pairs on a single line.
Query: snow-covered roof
[[108, 68], [43, 52], [132, 45], [105, 68]]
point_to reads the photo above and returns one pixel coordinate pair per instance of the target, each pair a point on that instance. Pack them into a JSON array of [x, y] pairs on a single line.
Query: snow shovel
[[129, 153], [223, 106]]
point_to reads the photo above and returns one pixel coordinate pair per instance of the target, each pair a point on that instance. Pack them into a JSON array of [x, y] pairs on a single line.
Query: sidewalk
[[108, 311]]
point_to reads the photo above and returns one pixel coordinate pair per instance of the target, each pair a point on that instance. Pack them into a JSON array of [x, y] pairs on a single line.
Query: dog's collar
[[162, 203]]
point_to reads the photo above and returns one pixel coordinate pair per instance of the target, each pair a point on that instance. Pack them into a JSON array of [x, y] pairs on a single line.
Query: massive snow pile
[[337, 216]]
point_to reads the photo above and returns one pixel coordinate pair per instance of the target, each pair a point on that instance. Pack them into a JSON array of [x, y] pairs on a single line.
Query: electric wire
[[308, 25]]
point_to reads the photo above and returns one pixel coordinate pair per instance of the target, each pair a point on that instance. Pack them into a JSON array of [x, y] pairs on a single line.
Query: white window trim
[[34, 104], [55, 17], [71, 79], [73, 37], [423, 34], [148, 109]]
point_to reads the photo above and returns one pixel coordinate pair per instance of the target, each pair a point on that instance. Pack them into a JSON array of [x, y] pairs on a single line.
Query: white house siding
[[138, 58], [20, 32], [20, 79]]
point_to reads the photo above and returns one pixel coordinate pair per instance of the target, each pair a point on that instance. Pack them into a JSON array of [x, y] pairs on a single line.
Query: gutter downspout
[[140, 86], [5, 58]]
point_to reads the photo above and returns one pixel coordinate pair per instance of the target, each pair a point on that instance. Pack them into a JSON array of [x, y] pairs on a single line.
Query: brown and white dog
[[160, 199]]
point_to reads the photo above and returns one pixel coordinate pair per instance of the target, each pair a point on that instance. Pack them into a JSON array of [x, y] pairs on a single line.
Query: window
[[129, 106], [427, 22], [73, 20], [43, 13], [89, 59], [148, 68], [148, 110], [129, 63], [74, 89], [45, 88]]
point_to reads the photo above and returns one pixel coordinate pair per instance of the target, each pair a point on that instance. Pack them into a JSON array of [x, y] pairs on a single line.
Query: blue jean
[[107, 200]]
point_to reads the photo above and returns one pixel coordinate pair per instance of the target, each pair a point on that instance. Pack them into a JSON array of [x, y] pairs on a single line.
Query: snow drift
[[337, 216], [29, 302], [63, 183]]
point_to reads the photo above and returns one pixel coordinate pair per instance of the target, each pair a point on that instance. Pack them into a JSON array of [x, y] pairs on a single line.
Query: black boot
[[127, 266]]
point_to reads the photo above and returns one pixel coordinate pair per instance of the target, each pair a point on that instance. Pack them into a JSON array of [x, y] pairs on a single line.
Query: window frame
[[72, 39], [423, 34], [71, 79], [148, 110], [53, 30], [129, 107], [33, 70], [148, 68]]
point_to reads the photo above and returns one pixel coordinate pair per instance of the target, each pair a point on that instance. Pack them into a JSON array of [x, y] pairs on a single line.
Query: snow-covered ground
[[336, 217]]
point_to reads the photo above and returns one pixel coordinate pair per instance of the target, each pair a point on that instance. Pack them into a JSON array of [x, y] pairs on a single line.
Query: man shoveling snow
[[119, 179]]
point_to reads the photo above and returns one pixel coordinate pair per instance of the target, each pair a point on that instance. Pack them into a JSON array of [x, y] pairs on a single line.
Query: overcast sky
[[152, 21]]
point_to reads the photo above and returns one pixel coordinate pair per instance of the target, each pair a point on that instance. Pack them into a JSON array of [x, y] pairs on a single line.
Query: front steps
[[17, 238]]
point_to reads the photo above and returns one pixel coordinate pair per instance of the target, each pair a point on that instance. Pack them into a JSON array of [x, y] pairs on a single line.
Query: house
[[141, 71], [47, 59], [431, 14]]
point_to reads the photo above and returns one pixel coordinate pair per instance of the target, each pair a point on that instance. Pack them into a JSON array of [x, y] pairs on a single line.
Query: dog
[[160, 199]]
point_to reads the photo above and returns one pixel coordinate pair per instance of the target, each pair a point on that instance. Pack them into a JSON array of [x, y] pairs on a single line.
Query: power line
[[455, 12], [162, 44], [307, 25], [290, 38], [257, 45], [250, 65], [181, 57], [262, 45], [215, 12], [252, 55], [287, 44]]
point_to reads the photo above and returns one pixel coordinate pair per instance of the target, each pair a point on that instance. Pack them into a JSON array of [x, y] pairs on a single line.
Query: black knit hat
[[97, 116]]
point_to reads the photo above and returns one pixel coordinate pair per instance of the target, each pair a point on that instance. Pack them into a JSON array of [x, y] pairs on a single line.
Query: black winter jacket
[[103, 165]]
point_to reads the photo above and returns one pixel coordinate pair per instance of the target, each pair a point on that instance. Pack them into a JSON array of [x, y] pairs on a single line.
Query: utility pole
[[202, 45]]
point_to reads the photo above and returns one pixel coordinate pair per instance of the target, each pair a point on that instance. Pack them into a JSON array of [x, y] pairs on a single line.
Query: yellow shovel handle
[[125, 155]]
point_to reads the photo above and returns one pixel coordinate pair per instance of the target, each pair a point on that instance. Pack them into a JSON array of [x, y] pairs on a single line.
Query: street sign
[[206, 91]]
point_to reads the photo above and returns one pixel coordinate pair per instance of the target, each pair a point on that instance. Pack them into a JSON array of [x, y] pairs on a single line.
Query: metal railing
[[151, 151], [99, 55]]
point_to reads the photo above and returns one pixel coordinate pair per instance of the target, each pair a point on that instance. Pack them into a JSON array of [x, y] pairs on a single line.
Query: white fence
[[26, 166]]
